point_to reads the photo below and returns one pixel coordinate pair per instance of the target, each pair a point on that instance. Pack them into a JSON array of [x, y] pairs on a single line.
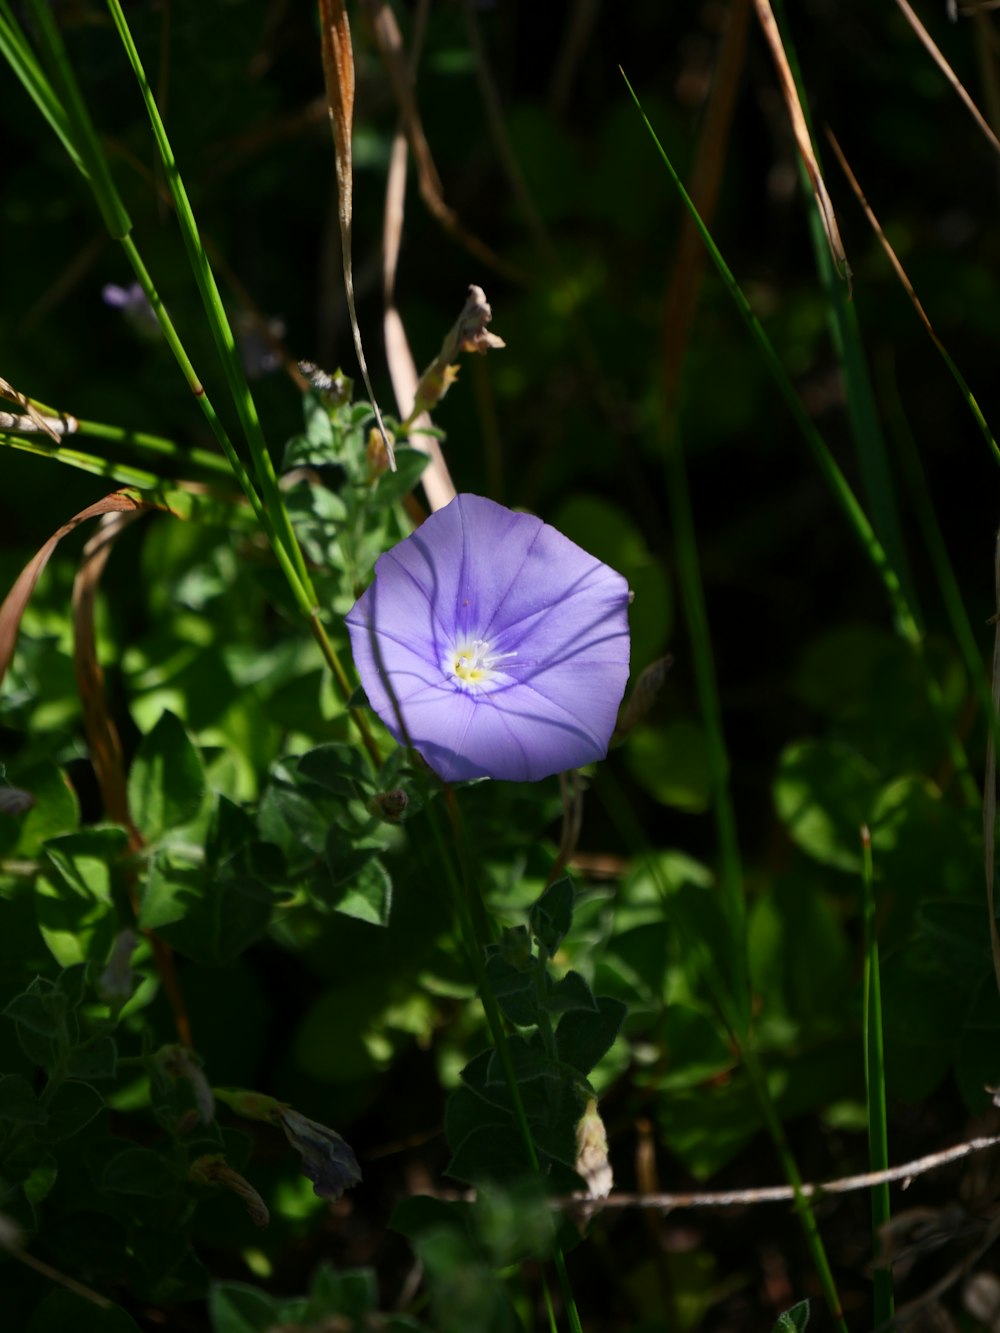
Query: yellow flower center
[[475, 662]]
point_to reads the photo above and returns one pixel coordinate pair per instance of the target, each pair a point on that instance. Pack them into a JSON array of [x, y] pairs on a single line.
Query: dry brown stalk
[[338, 73], [942, 64], [800, 129], [389, 40]]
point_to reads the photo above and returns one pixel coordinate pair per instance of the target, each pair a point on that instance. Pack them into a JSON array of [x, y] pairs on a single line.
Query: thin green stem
[[903, 617], [862, 413], [470, 911], [78, 123], [689, 576], [730, 1012], [934, 543], [218, 322], [16, 50], [878, 1130], [155, 444]]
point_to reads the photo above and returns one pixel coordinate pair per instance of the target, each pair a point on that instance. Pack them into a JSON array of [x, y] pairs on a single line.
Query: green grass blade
[[862, 413], [218, 321], [99, 467], [15, 49], [857, 519], [934, 544], [144, 442], [878, 1131], [623, 817], [692, 594], [80, 126]]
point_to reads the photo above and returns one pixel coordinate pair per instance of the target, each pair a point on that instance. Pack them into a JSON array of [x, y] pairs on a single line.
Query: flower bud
[[213, 1169], [327, 1160], [390, 805]]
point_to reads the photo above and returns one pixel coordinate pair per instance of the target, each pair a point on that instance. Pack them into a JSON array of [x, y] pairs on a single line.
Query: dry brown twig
[[436, 479], [936, 55], [990, 792], [30, 419], [399, 70], [800, 129], [338, 73]]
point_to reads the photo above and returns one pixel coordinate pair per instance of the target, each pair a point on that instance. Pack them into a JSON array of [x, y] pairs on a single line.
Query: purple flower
[[493, 644], [135, 307]]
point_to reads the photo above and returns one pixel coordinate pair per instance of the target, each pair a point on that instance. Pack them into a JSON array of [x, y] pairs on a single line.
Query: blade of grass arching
[[222, 334], [830, 470], [99, 467], [292, 562], [146, 443], [80, 126], [15, 49], [866, 428], [623, 817], [64, 424], [85, 146], [878, 1130]]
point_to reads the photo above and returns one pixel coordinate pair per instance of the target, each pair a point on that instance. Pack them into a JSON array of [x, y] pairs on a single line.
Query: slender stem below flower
[[476, 931]]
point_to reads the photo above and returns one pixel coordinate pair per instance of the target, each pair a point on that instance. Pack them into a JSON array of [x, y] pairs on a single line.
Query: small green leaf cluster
[[339, 492], [562, 1031]]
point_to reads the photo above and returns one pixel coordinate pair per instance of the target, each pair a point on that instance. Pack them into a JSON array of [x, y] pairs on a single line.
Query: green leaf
[[94, 1058], [552, 915], [41, 1179], [528, 1058], [42, 1009], [139, 1171], [571, 992], [490, 1152], [823, 793], [351, 1293], [514, 989], [56, 810], [74, 905], [60, 1311], [72, 1107], [234, 1307], [369, 895], [421, 1213], [793, 1320], [341, 769], [211, 920], [393, 486], [18, 1101], [583, 1038], [671, 763], [166, 782]]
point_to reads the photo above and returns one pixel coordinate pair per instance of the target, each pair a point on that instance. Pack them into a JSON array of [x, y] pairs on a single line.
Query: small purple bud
[[117, 981], [135, 308], [327, 1160], [179, 1062], [390, 805]]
